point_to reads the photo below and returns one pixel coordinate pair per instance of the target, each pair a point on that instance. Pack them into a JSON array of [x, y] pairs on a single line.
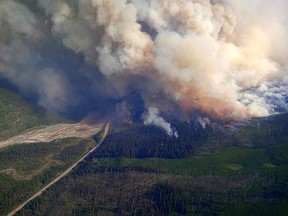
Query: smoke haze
[[226, 59]]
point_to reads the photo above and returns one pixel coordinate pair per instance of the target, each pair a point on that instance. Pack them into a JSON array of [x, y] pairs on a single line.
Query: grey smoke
[[214, 57]]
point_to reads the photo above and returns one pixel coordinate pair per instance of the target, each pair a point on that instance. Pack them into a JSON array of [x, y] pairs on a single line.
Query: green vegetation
[[112, 191], [223, 162], [278, 208], [26, 168], [17, 115], [139, 170], [138, 141], [229, 172]]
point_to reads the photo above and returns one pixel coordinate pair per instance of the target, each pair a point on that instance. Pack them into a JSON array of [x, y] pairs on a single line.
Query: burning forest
[[213, 59]]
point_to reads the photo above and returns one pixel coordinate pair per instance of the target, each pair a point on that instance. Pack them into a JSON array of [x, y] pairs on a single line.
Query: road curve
[[106, 130]]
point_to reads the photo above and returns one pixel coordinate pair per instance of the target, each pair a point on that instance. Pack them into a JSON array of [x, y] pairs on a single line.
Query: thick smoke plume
[[152, 118], [225, 59]]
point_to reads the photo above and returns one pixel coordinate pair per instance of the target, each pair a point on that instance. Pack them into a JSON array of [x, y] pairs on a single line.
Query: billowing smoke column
[[152, 118], [223, 58]]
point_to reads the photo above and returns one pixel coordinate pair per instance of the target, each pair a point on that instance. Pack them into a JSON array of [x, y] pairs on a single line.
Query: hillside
[[17, 115], [34, 150]]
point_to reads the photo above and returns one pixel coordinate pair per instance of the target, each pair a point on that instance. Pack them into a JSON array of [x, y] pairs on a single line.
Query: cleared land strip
[[106, 130], [53, 132]]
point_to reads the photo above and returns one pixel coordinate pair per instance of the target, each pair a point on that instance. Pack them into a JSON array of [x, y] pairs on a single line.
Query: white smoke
[[21, 63], [16, 17], [224, 58], [152, 118], [204, 121], [202, 56]]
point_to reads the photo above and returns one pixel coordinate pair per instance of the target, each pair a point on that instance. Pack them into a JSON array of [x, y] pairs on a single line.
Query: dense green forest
[[241, 169], [138, 141], [26, 168], [235, 171]]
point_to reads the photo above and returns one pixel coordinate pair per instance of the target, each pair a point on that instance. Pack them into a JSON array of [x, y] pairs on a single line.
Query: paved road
[[62, 175]]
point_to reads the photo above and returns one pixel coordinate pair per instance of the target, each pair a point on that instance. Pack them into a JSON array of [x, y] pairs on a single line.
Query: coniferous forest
[[219, 171]]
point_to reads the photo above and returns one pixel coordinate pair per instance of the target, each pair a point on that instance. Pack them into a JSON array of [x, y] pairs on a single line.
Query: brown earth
[[53, 132]]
